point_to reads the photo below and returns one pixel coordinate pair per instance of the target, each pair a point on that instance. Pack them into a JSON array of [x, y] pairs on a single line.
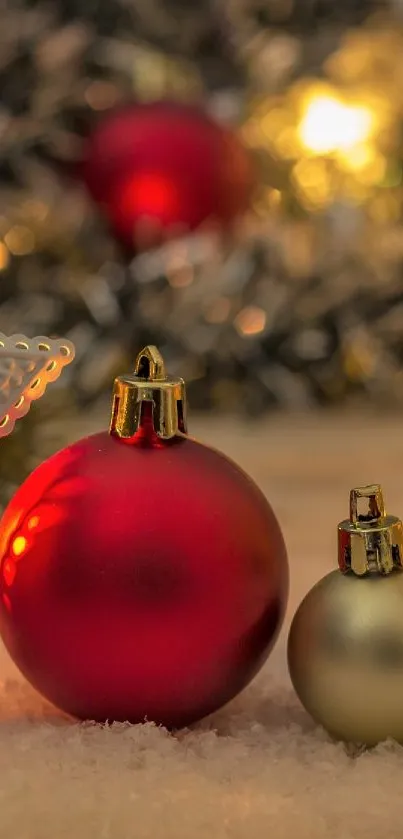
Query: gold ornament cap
[[149, 383], [370, 542]]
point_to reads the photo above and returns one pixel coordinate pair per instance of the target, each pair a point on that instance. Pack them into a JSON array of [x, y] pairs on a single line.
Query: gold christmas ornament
[[345, 647]]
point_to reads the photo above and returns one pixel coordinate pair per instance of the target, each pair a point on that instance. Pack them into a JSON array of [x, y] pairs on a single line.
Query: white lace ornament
[[26, 368]]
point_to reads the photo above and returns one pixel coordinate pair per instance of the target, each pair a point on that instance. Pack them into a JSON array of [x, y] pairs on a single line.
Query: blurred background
[[220, 178]]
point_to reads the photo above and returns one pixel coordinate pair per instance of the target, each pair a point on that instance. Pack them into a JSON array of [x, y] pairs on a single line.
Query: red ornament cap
[[148, 384]]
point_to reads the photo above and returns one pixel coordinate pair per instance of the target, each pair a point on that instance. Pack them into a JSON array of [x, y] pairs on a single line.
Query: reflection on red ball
[[140, 580], [166, 165]]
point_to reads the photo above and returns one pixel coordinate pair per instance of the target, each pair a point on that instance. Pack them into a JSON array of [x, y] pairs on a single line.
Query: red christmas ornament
[[143, 575], [160, 167]]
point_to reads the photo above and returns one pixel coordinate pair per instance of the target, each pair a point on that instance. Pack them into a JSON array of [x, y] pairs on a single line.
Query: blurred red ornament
[[161, 167], [143, 575]]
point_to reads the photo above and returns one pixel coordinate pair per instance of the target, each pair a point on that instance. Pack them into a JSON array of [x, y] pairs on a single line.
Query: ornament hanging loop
[[371, 542], [150, 365], [148, 383], [376, 504]]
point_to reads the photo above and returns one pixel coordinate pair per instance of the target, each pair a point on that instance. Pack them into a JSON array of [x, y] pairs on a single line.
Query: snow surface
[[258, 769]]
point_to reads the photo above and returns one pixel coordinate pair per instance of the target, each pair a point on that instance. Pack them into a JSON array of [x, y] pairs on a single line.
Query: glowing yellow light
[[313, 182], [357, 158], [251, 320], [4, 256], [287, 142], [274, 197], [19, 545], [273, 123], [374, 173], [251, 133], [20, 240], [359, 361], [330, 125]]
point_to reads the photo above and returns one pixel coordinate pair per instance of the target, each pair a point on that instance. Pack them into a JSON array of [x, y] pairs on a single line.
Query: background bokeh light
[[295, 302]]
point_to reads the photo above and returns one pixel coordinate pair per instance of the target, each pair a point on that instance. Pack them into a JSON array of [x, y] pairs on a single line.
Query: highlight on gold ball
[[335, 136]]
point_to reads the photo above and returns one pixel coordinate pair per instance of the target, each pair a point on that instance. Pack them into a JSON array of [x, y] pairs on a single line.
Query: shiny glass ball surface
[[140, 580]]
